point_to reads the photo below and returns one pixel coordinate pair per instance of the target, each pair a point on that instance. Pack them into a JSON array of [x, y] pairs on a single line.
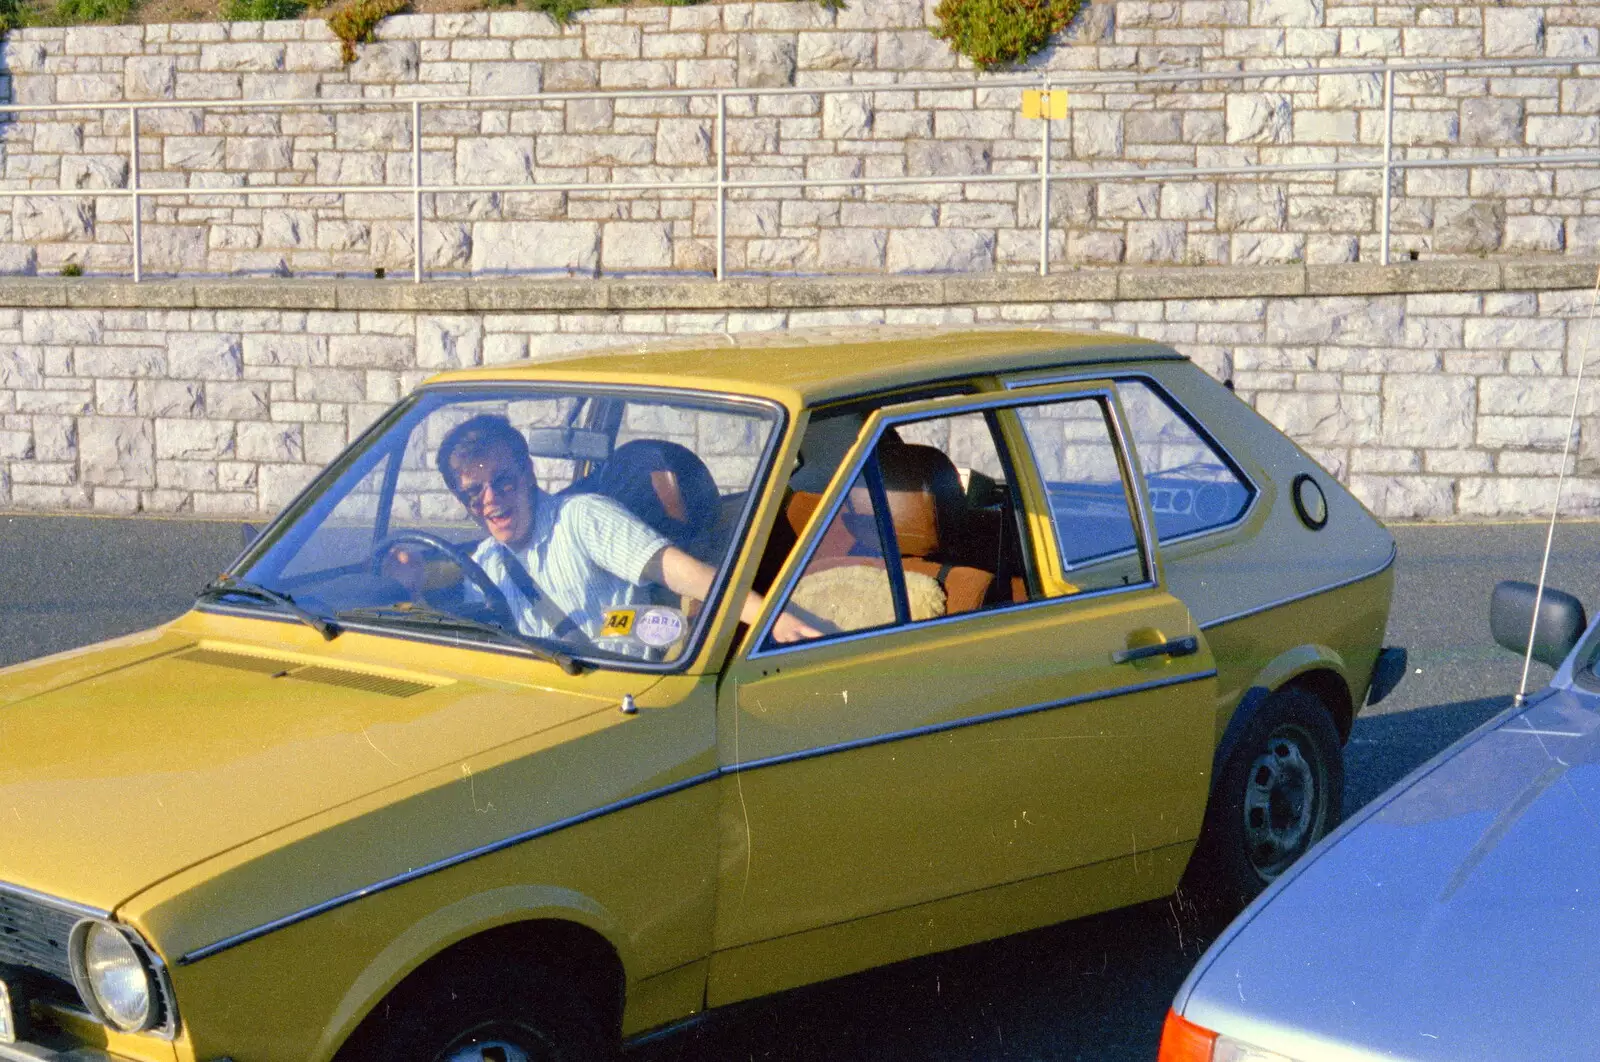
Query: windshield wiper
[[409, 612], [226, 585]]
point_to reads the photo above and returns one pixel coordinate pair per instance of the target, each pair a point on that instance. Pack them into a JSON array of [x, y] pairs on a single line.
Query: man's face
[[497, 488]]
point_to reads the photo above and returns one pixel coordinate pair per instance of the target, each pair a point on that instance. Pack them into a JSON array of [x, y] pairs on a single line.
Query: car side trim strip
[[668, 790], [977, 720], [1394, 551]]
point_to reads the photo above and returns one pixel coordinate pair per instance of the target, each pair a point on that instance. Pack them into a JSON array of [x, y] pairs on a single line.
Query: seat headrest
[[837, 541], [665, 485], [926, 499]]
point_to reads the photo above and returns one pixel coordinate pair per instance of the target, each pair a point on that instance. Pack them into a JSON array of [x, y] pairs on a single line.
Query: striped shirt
[[586, 553]]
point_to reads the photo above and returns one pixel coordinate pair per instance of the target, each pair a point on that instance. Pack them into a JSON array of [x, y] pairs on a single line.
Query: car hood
[[1458, 918], [126, 763]]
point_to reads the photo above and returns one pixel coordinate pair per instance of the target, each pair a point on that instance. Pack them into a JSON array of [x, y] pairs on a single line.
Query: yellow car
[[579, 698]]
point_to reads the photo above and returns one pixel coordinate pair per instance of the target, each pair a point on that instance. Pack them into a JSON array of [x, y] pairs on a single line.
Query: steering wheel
[[493, 596]]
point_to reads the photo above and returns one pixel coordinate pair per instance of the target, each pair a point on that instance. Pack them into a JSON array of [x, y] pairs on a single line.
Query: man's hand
[[789, 629], [404, 564]]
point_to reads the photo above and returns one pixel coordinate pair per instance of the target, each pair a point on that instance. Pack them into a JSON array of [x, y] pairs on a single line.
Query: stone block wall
[[874, 130], [1435, 392]]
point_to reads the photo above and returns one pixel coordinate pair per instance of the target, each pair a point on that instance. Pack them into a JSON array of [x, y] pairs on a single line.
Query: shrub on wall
[[354, 20], [992, 32]]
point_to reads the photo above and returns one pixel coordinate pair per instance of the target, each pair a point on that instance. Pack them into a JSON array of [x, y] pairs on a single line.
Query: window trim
[[885, 417], [1187, 416]]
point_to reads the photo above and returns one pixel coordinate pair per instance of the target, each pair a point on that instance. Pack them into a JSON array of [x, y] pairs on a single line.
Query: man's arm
[[683, 574]]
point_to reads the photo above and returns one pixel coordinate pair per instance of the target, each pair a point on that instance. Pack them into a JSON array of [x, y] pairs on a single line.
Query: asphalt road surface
[[1092, 989]]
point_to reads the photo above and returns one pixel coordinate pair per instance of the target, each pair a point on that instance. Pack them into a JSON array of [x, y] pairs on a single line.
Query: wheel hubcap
[[489, 1051], [1282, 798], [501, 1040]]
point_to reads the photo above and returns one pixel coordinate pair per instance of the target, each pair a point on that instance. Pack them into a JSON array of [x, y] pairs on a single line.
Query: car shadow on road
[[1096, 988]]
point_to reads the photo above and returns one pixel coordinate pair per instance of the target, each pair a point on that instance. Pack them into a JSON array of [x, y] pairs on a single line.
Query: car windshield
[[552, 518]]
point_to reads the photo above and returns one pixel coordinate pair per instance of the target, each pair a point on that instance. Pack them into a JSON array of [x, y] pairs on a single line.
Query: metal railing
[[722, 184]]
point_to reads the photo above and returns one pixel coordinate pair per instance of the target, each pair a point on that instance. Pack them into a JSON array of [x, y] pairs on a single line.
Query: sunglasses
[[502, 484]]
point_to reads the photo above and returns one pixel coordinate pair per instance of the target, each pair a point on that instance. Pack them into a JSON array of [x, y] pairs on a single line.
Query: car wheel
[[1278, 793], [517, 1016]]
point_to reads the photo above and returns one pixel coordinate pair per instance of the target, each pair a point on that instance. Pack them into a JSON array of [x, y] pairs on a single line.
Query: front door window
[[927, 529]]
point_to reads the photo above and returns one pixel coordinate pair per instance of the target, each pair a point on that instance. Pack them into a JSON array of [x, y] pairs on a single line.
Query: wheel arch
[[1329, 687], [1317, 669], [503, 923]]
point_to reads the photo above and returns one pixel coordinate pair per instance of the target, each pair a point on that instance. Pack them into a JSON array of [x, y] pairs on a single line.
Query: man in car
[[583, 552]]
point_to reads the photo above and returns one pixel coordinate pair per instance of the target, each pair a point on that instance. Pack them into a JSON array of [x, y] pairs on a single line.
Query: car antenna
[[1561, 478]]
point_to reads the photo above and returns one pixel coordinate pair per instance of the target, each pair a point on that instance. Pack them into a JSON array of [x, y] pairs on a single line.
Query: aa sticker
[[618, 623], [658, 627]]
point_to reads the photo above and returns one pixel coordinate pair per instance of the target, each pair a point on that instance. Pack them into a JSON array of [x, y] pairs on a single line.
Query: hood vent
[[328, 676], [262, 665]]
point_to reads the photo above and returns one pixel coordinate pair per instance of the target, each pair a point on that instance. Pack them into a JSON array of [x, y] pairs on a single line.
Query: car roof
[[806, 367]]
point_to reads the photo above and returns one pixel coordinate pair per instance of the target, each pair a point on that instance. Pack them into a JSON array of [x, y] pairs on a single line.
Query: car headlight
[[113, 977], [1228, 1049]]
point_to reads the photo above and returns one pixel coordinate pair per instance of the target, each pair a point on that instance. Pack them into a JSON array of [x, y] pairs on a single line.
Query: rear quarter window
[[1194, 487]]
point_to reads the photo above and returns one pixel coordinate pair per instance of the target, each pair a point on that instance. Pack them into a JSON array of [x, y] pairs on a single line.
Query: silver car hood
[[1457, 917]]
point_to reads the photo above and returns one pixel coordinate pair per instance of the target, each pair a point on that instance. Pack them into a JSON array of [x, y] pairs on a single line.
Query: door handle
[[1185, 646]]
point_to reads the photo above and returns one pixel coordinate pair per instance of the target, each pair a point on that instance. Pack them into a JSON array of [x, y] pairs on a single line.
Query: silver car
[[1455, 917]]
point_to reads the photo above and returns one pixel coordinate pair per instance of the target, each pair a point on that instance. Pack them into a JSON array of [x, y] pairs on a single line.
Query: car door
[[904, 758]]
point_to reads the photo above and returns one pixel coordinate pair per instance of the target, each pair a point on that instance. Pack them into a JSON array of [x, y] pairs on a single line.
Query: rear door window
[[1084, 476]]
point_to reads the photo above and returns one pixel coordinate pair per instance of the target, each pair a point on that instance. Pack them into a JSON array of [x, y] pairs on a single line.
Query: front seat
[[667, 487]]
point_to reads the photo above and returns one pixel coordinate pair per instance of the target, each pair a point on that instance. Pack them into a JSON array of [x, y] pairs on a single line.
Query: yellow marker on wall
[[1037, 103]]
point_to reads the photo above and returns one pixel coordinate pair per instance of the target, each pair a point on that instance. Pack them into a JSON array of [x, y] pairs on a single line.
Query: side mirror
[[1561, 620]]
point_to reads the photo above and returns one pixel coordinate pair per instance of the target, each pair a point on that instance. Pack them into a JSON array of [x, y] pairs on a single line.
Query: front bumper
[[50, 1050]]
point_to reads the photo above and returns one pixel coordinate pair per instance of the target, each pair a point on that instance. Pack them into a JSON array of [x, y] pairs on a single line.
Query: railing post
[[1044, 186], [416, 190], [1388, 155], [722, 185], [133, 185]]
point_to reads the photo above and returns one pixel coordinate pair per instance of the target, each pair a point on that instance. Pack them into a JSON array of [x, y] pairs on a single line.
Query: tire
[[513, 1015], [1279, 792]]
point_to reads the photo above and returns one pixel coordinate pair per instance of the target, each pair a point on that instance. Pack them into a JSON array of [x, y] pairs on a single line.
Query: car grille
[[34, 935]]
